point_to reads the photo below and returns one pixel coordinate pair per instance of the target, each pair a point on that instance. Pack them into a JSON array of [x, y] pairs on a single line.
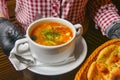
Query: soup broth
[[51, 33]]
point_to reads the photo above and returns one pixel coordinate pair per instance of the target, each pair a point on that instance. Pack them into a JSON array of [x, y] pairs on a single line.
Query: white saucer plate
[[80, 54]]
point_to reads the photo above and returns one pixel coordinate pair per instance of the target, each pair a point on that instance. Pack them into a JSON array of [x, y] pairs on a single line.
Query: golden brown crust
[[94, 72], [82, 73], [115, 75], [102, 71]]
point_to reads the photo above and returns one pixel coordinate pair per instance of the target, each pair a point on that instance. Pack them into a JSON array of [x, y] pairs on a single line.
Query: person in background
[[103, 13]]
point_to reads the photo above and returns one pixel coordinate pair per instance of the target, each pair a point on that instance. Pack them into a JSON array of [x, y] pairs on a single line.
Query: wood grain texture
[[7, 71]]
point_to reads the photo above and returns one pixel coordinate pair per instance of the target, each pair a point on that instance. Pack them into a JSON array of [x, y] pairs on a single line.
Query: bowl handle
[[21, 45], [79, 29]]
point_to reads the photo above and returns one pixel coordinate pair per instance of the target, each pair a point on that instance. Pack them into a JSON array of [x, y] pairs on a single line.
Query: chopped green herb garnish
[[49, 34]]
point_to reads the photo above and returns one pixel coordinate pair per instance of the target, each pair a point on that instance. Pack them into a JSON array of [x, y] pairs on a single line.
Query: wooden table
[[93, 37]]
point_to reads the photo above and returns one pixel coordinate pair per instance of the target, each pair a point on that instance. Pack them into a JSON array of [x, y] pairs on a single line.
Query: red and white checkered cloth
[[105, 16], [3, 8], [72, 10]]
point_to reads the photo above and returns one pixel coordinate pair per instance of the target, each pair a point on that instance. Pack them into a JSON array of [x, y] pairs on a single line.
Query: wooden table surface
[[93, 38]]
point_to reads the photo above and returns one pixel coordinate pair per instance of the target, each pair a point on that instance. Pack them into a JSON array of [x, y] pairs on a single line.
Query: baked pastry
[[103, 63], [93, 72]]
